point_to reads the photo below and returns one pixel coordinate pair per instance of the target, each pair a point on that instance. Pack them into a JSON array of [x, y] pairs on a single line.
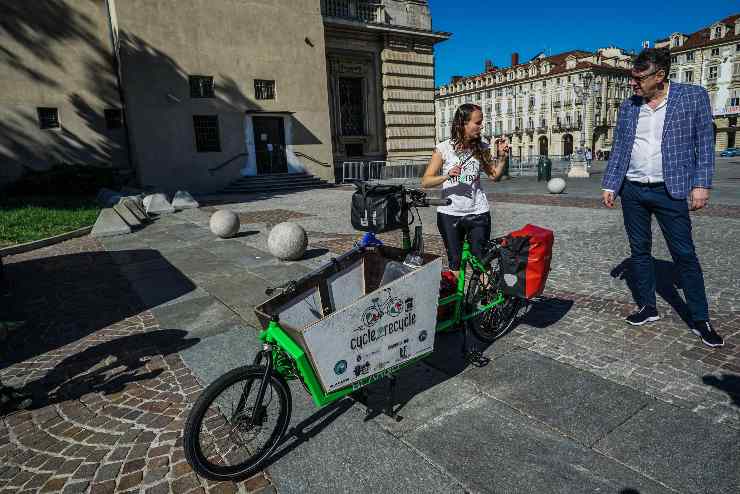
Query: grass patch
[[29, 218]]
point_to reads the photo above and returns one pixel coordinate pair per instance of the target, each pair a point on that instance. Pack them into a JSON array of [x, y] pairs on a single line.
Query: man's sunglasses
[[641, 78]]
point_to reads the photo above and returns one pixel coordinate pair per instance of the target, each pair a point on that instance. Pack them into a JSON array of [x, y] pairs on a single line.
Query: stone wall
[[408, 98]]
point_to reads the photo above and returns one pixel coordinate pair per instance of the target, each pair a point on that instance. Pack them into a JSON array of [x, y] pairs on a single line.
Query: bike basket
[[378, 208], [350, 325]]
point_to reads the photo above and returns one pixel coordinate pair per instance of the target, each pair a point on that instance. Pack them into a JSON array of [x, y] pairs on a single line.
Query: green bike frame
[[291, 361]]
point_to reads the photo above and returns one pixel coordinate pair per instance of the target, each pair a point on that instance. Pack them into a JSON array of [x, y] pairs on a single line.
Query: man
[[661, 164]]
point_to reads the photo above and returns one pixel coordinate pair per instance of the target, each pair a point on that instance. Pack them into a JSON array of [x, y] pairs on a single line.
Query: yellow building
[[537, 105], [711, 57]]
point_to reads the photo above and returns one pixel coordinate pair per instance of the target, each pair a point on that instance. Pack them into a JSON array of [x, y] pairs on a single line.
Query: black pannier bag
[[378, 208]]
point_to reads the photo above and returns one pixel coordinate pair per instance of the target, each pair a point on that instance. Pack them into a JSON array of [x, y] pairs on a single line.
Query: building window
[[264, 89], [672, 76], [737, 47], [718, 32], [713, 72], [715, 52], [690, 56], [736, 68], [688, 76], [488, 94], [201, 86], [48, 118], [113, 118], [733, 102], [207, 138], [674, 59]]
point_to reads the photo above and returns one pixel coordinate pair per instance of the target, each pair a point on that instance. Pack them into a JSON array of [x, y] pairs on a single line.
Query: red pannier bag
[[525, 261]]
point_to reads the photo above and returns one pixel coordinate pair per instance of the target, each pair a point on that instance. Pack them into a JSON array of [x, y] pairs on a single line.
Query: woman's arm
[[431, 177]]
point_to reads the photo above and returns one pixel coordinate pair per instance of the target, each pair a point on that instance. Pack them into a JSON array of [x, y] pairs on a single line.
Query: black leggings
[[478, 235]]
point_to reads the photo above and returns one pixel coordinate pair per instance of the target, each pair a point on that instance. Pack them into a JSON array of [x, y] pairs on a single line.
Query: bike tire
[[492, 324], [202, 464]]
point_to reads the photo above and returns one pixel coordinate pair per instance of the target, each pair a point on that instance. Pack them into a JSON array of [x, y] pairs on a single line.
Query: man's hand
[[699, 198], [607, 198]]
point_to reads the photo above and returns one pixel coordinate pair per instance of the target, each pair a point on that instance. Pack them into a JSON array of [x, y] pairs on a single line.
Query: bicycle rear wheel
[[483, 289], [227, 436]]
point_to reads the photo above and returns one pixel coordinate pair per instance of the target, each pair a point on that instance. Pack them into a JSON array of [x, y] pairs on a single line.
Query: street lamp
[[588, 88]]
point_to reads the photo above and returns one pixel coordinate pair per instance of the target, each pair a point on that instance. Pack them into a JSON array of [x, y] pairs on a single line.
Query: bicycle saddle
[[465, 223]]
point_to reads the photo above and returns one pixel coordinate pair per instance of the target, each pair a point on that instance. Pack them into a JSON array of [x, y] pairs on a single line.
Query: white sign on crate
[[380, 330]]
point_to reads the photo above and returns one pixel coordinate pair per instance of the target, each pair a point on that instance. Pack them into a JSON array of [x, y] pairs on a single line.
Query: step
[[279, 181], [258, 190]]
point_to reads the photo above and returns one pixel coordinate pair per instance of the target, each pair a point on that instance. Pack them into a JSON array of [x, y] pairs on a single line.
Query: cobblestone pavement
[[112, 392], [579, 320]]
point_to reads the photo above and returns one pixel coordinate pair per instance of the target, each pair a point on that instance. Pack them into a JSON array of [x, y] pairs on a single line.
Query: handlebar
[[418, 198], [439, 202]]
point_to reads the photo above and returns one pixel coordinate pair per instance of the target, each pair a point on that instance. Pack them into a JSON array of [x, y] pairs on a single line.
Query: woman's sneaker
[[647, 313], [705, 331]]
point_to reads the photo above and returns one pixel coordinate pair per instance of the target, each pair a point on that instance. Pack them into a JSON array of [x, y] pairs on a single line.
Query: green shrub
[[75, 180]]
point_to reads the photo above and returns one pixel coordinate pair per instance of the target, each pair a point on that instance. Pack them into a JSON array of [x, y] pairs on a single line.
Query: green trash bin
[[547, 169], [544, 169]]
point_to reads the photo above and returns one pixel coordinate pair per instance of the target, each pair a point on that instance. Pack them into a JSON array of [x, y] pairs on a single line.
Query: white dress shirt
[[646, 162]]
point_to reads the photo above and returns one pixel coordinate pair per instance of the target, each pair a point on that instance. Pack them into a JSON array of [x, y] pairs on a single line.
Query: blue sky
[[486, 29]]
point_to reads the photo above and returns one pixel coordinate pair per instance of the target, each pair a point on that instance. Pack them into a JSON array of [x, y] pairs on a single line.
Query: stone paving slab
[[200, 317], [333, 450], [579, 404], [496, 449], [684, 451]]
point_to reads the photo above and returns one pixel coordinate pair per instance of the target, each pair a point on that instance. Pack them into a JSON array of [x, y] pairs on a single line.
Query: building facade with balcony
[[535, 104], [380, 62], [711, 57], [197, 94]]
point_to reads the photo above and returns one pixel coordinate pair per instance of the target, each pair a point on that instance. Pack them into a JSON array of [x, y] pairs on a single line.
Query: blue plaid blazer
[[687, 144]]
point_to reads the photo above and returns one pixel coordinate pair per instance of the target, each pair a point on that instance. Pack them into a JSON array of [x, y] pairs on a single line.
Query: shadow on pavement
[[666, 285], [308, 428], [58, 300], [729, 383], [107, 367], [545, 311]]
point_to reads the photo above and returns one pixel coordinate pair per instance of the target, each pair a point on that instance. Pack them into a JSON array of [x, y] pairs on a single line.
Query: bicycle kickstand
[[390, 398], [472, 355]]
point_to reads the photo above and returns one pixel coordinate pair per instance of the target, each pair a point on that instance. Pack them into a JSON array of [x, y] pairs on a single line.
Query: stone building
[[535, 103], [711, 57], [197, 94]]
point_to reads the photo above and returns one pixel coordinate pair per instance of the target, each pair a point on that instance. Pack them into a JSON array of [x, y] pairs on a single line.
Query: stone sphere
[[224, 223], [556, 185], [287, 241]]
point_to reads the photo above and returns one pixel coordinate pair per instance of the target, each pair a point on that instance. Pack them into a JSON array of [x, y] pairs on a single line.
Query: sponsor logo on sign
[[340, 367]]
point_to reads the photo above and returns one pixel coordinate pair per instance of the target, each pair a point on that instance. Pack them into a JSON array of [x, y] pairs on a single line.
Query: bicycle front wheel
[[483, 289], [227, 435]]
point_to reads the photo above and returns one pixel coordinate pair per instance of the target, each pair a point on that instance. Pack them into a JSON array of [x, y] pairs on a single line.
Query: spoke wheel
[[227, 435], [492, 324]]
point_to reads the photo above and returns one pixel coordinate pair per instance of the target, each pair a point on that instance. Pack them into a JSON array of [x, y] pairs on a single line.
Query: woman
[[456, 165]]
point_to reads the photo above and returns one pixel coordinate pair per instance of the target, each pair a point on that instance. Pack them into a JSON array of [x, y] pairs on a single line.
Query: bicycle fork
[[258, 411]]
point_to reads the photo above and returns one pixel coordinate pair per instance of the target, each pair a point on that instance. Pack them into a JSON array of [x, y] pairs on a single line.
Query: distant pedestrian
[[663, 154], [589, 157]]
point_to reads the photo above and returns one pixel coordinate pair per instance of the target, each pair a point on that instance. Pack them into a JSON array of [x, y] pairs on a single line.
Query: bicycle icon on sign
[[393, 306]]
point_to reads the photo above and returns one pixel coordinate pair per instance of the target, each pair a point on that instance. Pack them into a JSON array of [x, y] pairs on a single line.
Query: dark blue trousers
[[639, 204]]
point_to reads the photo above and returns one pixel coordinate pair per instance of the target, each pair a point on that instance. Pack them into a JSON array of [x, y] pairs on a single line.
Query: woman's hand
[[502, 147], [454, 171]]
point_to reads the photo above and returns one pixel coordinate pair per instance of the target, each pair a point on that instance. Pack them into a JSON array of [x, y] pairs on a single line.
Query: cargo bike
[[357, 319]]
